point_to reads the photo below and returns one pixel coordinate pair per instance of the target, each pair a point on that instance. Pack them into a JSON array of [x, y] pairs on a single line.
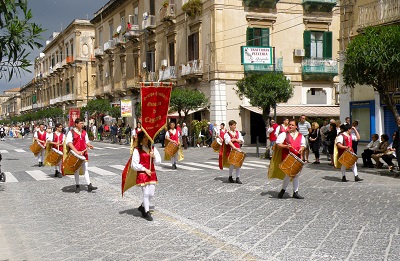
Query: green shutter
[[265, 37], [327, 45], [307, 43], [250, 36]]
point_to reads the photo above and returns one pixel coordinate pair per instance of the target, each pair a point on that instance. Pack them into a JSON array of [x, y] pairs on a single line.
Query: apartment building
[[200, 48], [362, 103], [64, 72], [10, 102]]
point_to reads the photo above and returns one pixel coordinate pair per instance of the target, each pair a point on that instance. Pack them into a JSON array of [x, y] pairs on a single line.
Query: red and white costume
[[174, 135], [79, 139], [229, 135], [57, 137], [41, 136], [346, 140]]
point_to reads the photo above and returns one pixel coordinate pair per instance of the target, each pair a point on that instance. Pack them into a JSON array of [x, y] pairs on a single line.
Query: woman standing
[[315, 141], [330, 139], [143, 159]]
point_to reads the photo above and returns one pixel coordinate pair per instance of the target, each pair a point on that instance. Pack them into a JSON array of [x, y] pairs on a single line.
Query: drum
[[291, 165], [348, 159], [236, 158], [73, 161], [216, 144], [171, 149], [36, 147], [54, 157]]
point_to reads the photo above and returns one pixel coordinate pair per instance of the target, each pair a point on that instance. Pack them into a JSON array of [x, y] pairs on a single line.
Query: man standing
[[185, 133], [94, 131], [304, 129], [40, 136], [114, 130], [128, 133], [78, 141], [324, 131], [347, 121]]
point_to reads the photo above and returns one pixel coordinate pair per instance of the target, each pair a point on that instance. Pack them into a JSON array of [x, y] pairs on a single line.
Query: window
[[100, 38], [135, 20], [318, 44], [123, 25], [317, 96], [66, 50], [72, 49], [67, 87], [136, 69], [257, 36], [151, 61], [61, 56], [171, 53], [111, 28], [152, 7], [193, 44]]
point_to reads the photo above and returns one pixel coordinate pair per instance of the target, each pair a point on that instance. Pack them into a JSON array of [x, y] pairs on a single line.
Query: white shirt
[[282, 137], [136, 159], [227, 138], [279, 128], [173, 132], [36, 133], [69, 136], [185, 131], [51, 136], [373, 145]]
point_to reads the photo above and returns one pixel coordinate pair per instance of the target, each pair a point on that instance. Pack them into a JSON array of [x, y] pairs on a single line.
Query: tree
[[96, 107], [184, 100], [373, 58], [16, 35]]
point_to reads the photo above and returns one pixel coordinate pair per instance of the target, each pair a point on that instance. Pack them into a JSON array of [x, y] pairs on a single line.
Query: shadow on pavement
[[134, 212], [333, 178], [223, 179], [71, 189]]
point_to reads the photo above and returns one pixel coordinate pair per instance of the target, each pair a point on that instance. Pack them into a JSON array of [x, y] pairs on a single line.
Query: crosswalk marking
[[259, 162], [180, 166], [158, 168], [10, 177], [215, 163], [3, 151], [38, 175], [20, 150], [101, 172], [120, 167], [255, 165], [202, 165]]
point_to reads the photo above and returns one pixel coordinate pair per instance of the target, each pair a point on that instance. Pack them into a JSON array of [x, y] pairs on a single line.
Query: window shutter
[[250, 36], [327, 45], [265, 37], [307, 43]]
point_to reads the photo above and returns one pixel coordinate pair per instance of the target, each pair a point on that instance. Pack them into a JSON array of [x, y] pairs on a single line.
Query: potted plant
[[165, 3], [192, 8]]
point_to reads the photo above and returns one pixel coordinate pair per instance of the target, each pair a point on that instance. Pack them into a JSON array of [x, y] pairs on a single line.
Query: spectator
[[272, 136], [114, 130], [390, 154], [315, 141], [330, 141], [383, 146], [94, 131], [355, 141], [100, 131], [119, 133], [304, 129], [324, 131], [185, 134], [127, 133], [371, 148], [162, 137], [202, 136]]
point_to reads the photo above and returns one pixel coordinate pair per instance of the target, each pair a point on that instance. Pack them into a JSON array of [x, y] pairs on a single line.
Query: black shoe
[[297, 195], [316, 162], [40, 164], [77, 189], [174, 166], [357, 178], [59, 174], [141, 209], [56, 173], [148, 216], [231, 179], [238, 181], [344, 179], [90, 187], [280, 195]]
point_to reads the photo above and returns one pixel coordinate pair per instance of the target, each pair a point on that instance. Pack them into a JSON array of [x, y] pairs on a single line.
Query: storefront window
[[362, 115]]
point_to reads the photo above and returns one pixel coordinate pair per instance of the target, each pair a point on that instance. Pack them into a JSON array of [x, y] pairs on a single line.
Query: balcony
[[70, 59], [319, 5], [193, 69], [378, 13], [109, 45], [149, 23], [262, 68], [319, 69], [68, 98], [151, 77], [260, 4], [167, 13], [57, 67], [167, 74], [134, 33], [55, 100], [119, 41], [107, 89], [26, 108], [98, 52]]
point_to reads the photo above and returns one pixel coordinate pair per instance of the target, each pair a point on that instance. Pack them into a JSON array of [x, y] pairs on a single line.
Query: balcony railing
[[378, 13], [68, 97], [98, 51], [55, 100], [260, 4], [57, 66], [107, 88], [194, 67], [167, 13], [152, 77], [249, 68], [70, 59], [134, 32], [26, 108], [150, 22], [323, 69], [319, 5], [110, 44], [168, 73]]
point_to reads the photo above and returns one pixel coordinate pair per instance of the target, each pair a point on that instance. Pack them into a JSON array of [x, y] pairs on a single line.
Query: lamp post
[[87, 95]]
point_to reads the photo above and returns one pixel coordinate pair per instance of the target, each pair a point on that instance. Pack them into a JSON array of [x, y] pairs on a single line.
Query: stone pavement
[[198, 215]]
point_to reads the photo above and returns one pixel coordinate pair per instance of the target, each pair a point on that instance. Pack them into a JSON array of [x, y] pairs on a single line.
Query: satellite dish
[[119, 29], [145, 15]]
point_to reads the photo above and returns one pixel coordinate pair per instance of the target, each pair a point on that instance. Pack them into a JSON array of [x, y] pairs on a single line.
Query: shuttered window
[[257, 36], [317, 44]]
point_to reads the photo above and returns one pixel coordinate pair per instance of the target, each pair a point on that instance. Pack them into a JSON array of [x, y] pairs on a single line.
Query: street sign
[[257, 55]]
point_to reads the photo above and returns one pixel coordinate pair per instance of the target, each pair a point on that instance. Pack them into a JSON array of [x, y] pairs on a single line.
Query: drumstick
[[152, 150]]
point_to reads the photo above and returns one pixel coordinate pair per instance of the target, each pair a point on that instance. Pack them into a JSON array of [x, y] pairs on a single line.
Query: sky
[[53, 15]]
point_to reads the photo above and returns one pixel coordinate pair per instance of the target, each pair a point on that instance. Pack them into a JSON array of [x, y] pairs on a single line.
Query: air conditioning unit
[[299, 52]]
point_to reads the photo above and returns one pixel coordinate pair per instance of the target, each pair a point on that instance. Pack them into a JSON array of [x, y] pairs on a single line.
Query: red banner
[[74, 113], [155, 104]]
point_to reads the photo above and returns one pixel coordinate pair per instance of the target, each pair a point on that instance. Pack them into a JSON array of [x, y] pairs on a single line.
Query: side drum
[[348, 158], [236, 158], [216, 144], [291, 165], [54, 157], [171, 149], [36, 147], [73, 161]]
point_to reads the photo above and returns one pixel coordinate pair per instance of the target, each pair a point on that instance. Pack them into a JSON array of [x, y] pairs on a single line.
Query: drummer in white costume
[[173, 135], [233, 139], [40, 136], [57, 139]]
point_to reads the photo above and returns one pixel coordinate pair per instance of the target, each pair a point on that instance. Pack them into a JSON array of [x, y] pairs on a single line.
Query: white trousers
[[84, 168], [174, 158], [353, 168], [286, 182], [58, 167], [231, 167], [41, 156], [148, 194]]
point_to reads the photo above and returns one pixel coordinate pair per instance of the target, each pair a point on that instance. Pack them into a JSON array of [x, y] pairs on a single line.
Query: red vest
[[41, 136], [272, 136], [222, 133], [80, 142], [58, 139], [347, 141], [174, 137], [145, 160], [295, 143], [235, 143]]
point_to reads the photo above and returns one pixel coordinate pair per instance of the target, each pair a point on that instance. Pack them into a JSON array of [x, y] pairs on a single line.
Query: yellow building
[[10, 103], [63, 72], [362, 103], [201, 49]]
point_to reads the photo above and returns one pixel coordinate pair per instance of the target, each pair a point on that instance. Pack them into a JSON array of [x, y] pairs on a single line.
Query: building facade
[[362, 103], [155, 40], [64, 72], [10, 102]]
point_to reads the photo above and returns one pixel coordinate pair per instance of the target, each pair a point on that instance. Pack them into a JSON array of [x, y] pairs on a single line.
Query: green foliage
[[373, 58], [184, 100], [197, 126], [192, 8], [115, 112], [17, 34], [96, 107], [265, 90]]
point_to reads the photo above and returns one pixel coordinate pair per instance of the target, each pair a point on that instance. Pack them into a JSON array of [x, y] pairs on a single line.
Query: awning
[[175, 114], [298, 110]]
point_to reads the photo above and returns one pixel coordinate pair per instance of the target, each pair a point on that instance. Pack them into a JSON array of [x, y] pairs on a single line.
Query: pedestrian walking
[[185, 134], [114, 130]]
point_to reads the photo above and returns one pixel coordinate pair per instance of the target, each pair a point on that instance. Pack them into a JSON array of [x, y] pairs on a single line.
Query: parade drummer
[[289, 141], [40, 136], [172, 135], [78, 141], [344, 142], [232, 141], [56, 139], [143, 159]]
